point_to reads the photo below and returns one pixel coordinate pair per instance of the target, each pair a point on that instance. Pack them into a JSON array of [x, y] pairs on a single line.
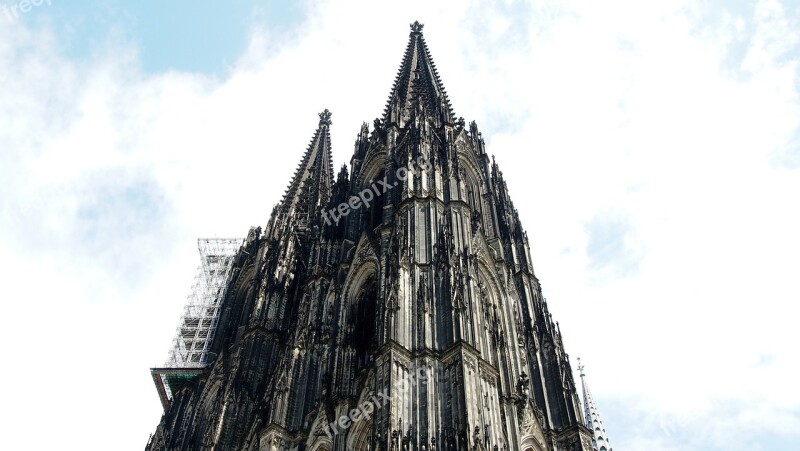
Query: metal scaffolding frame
[[189, 353]]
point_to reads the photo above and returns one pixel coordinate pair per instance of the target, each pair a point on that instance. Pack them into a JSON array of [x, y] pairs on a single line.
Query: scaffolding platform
[[189, 355]]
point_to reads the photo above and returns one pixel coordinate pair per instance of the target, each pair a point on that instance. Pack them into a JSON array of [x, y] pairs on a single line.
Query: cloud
[[655, 143], [611, 245]]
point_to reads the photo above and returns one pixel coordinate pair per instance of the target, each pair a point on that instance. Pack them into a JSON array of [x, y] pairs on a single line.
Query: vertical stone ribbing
[[406, 285]]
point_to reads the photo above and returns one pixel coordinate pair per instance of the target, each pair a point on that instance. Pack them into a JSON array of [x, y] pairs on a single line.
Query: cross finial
[[580, 367], [325, 118], [416, 27]]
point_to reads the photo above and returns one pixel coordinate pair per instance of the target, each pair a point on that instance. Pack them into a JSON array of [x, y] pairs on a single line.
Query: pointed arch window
[[375, 213], [364, 321]]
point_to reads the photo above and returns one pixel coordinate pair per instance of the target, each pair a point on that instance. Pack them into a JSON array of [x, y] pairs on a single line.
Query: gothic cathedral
[[391, 307]]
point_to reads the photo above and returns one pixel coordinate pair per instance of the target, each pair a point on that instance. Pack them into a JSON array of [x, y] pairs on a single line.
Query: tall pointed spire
[[310, 188], [417, 82], [402, 272], [599, 438]]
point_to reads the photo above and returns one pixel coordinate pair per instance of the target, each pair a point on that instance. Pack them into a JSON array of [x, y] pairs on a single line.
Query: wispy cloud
[[612, 245]]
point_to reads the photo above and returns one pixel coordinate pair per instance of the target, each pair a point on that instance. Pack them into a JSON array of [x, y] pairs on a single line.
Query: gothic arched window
[[364, 321], [375, 213]]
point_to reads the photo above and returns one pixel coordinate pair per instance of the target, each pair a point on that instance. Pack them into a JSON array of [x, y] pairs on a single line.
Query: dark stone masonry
[[391, 307]]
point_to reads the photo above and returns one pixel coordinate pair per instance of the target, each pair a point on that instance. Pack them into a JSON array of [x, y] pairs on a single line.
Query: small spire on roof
[[593, 421]]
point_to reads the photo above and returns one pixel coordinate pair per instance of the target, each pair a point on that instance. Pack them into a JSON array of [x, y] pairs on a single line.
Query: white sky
[[652, 151]]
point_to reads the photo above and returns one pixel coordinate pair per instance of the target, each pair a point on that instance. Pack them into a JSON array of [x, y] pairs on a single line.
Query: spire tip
[[416, 27], [325, 118]]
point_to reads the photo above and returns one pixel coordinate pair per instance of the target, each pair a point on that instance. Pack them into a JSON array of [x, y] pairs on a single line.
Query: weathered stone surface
[[392, 308]]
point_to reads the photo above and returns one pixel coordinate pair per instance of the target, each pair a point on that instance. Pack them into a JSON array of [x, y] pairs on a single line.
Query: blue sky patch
[[193, 36]]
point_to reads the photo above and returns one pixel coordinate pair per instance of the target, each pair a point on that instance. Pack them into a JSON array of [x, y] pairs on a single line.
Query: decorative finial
[[325, 118], [416, 27], [580, 368]]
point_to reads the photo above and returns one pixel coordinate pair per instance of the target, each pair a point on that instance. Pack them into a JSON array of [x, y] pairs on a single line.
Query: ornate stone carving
[[324, 315]]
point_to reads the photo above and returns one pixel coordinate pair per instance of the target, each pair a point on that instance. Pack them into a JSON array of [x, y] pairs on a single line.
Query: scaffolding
[[189, 354]]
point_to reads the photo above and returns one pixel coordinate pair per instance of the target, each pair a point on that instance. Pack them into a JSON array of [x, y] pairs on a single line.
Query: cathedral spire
[[310, 188], [599, 438], [417, 82], [407, 269]]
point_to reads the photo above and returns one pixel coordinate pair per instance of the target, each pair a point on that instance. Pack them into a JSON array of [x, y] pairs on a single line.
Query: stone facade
[[393, 307]]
